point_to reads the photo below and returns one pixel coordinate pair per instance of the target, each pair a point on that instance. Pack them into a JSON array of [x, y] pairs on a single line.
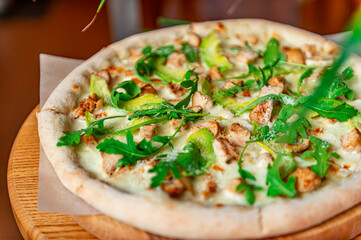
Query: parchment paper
[[52, 195]]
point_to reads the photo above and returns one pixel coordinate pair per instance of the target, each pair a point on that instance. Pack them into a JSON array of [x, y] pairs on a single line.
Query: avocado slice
[[168, 74], [203, 140], [100, 87], [210, 53], [138, 102]]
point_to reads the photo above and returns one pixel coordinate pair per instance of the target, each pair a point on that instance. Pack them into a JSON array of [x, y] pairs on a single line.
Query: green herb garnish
[[321, 155]]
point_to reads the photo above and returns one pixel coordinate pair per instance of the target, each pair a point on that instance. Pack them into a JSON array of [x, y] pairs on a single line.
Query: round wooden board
[[23, 186]]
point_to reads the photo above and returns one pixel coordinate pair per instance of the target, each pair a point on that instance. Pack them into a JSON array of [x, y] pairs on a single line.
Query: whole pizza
[[210, 130]]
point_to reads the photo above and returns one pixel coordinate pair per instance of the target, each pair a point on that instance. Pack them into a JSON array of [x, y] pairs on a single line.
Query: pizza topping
[[214, 73], [204, 101], [262, 113], [276, 184], [148, 89], [280, 118], [351, 141], [86, 105], [176, 89], [306, 180], [190, 51], [175, 124], [247, 56], [147, 131], [299, 147], [105, 74], [210, 187], [193, 39], [294, 55], [176, 187], [232, 185], [224, 150], [210, 53], [321, 155], [89, 140], [176, 60], [238, 135], [230, 83], [110, 162]]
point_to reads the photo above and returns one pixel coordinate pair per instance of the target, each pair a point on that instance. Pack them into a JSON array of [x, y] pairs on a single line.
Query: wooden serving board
[[23, 186]]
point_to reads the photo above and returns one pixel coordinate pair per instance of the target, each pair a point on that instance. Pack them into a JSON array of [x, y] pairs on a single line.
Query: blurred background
[[28, 28]]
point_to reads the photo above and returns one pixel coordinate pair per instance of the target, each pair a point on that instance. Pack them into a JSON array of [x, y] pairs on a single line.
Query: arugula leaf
[[321, 155], [339, 88], [188, 83], [168, 111], [131, 152], [190, 52], [276, 185], [257, 101], [233, 90], [331, 108], [304, 75], [245, 185], [144, 67], [165, 51], [163, 168], [272, 54], [74, 137], [130, 91], [203, 140], [190, 162]]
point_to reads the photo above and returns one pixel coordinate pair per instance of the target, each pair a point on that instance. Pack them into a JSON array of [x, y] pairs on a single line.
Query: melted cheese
[[137, 178]]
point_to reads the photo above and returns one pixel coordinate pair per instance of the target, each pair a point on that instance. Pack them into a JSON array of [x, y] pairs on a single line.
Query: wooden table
[[23, 186]]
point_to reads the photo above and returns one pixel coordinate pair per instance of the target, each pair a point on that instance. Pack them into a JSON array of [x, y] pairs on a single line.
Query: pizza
[[211, 130]]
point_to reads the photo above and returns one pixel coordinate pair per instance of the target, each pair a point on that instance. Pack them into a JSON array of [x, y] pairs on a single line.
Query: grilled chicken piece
[[147, 132], [246, 56], [210, 186], [176, 187], [213, 127], [195, 109], [214, 73], [238, 135], [309, 50], [135, 54], [300, 147], [306, 180], [351, 141], [104, 73], [294, 55], [193, 39], [224, 150], [88, 104], [232, 185], [265, 159], [176, 122], [148, 88], [176, 59], [262, 112], [230, 83], [198, 99], [176, 89], [276, 85], [251, 39], [88, 140], [110, 162]]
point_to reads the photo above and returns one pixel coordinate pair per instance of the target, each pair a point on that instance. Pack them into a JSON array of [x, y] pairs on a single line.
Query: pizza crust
[[158, 214]]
